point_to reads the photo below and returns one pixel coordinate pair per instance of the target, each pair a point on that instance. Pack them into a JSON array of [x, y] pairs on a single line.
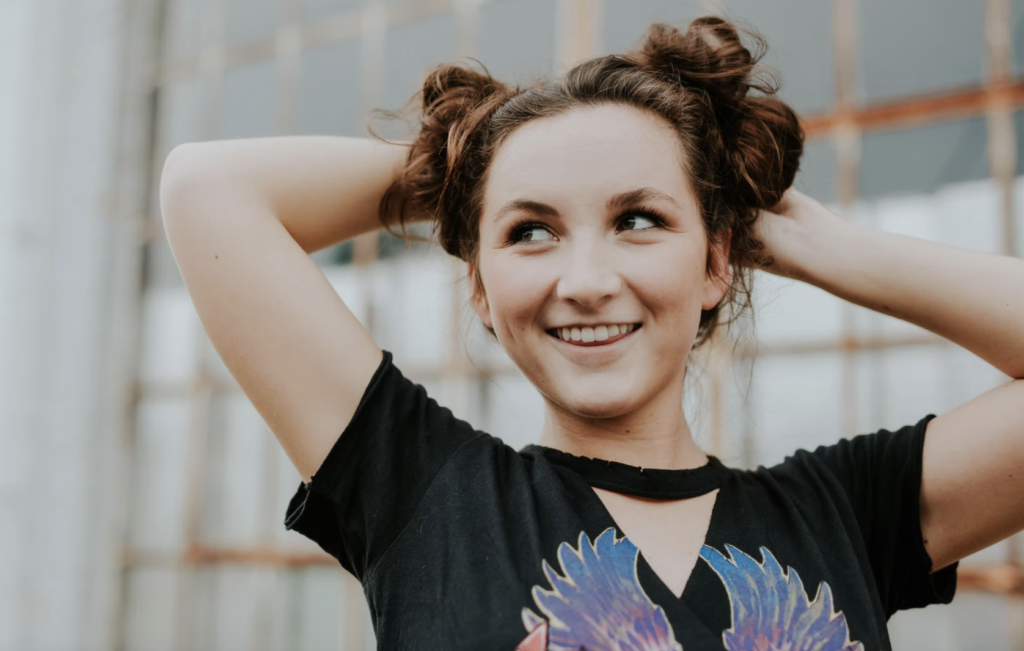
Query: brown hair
[[742, 149]]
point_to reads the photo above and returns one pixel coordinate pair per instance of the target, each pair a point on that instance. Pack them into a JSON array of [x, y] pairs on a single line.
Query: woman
[[610, 221]]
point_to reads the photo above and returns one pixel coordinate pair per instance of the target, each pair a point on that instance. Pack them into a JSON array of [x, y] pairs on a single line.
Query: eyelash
[[517, 231]]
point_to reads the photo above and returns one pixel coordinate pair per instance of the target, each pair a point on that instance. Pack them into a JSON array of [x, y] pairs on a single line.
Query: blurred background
[[142, 496]]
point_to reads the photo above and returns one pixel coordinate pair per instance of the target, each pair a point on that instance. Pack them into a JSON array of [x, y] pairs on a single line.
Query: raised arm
[[241, 217], [972, 488]]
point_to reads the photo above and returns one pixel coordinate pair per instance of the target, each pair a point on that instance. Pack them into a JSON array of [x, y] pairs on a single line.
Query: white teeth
[[588, 334]]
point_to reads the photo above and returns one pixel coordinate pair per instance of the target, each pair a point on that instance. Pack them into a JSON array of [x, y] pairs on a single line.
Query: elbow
[[193, 175], [181, 179]]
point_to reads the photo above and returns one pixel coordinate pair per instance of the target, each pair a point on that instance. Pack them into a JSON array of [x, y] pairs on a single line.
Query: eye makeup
[[517, 231]]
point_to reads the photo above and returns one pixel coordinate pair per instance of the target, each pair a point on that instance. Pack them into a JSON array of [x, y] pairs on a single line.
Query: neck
[[654, 436]]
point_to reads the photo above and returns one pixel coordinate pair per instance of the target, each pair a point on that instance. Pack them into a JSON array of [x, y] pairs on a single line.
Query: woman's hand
[[788, 229]]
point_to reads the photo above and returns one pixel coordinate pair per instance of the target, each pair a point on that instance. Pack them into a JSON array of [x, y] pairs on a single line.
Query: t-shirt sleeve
[[373, 478], [881, 475]]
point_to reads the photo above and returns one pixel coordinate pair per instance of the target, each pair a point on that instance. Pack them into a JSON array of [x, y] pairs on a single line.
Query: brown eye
[[638, 222], [530, 233]]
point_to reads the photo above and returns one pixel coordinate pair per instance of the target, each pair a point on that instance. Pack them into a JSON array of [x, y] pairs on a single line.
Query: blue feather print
[[596, 603], [770, 609]]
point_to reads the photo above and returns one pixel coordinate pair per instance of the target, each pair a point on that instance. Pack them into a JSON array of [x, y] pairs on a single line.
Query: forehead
[[587, 154]]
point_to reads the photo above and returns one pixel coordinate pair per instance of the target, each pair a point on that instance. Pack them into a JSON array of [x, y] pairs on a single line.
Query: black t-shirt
[[461, 542]]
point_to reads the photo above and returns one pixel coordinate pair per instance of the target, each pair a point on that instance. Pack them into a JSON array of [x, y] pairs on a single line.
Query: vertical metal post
[[1002, 134], [846, 137], [577, 30], [146, 28], [467, 26]]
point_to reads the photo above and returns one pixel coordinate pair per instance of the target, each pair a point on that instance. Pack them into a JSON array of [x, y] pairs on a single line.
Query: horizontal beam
[[1003, 578], [202, 555], [919, 110]]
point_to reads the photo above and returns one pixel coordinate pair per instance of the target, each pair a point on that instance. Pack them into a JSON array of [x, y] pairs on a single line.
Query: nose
[[588, 277]]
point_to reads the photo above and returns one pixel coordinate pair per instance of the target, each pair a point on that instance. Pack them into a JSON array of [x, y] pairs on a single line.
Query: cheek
[[516, 290], [671, 283]]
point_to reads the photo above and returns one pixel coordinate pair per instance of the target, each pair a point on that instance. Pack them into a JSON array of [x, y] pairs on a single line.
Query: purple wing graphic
[[770, 609], [596, 603]]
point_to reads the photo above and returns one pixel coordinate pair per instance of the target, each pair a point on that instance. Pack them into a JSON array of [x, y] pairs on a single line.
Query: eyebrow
[[616, 202]]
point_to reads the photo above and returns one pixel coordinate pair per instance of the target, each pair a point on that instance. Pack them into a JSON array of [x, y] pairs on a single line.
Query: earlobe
[[477, 296], [717, 281]]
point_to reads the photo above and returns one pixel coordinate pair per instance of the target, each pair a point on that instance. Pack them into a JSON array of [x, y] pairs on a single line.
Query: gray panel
[[1017, 22], [179, 115], [910, 47], [329, 94], [973, 621], [1018, 120], [234, 509], [334, 255], [800, 50], [923, 159], [626, 21], [250, 19], [818, 173], [309, 602], [391, 245], [248, 101], [1018, 246], [150, 609], [160, 270], [160, 478], [314, 10], [413, 48], [795, 404], [517, 39], [182, 27], [179, 120]]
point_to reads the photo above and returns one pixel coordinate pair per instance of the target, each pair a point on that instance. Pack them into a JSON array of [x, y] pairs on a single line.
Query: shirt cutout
[[669, 533]]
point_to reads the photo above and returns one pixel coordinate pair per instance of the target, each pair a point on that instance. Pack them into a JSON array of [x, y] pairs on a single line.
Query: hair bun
[[455, 104], [449, 83], [709, 56], [761, 134]]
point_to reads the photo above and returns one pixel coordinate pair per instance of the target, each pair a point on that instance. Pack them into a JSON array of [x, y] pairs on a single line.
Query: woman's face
[[589, 229]]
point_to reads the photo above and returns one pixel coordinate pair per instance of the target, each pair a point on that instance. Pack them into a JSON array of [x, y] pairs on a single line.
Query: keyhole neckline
[[652, 483]]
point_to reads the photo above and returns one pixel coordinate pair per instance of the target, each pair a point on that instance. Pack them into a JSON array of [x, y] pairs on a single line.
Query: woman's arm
[[972, 490], [241, 217]]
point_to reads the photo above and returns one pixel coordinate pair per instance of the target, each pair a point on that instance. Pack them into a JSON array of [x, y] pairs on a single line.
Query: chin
[[608, 403]]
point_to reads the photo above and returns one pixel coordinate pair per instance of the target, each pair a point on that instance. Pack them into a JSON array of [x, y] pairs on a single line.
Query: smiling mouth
[[594, 335]]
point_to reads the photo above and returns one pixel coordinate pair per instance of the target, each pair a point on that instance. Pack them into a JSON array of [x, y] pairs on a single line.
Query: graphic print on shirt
[[770, 609], [597, 603]]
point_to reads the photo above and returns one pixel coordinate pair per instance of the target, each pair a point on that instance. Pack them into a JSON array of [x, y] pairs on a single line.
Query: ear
[[477, 295], [717, 280]]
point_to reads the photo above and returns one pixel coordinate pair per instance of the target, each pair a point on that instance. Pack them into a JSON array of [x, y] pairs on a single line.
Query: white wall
[[65, 263]]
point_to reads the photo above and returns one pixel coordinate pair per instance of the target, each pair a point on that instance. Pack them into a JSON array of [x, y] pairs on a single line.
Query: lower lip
[[610, 341]]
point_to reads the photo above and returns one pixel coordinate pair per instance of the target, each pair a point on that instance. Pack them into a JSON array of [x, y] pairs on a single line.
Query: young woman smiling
[[610, 222]]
